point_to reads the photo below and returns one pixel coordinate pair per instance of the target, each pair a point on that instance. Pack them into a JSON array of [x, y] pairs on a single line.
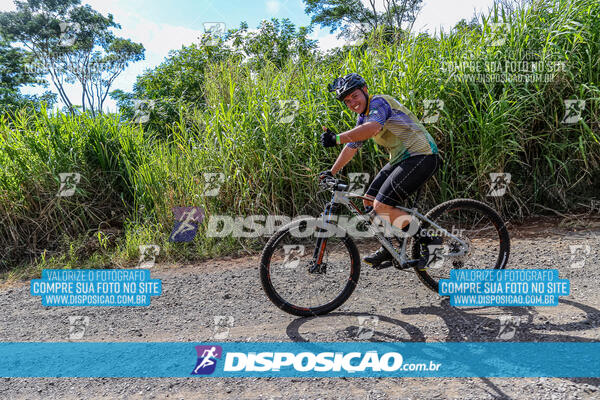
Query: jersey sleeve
[[379, 111]]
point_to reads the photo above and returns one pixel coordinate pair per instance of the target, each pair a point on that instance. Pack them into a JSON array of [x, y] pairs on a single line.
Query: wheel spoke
[[289, 277], [476, 225]]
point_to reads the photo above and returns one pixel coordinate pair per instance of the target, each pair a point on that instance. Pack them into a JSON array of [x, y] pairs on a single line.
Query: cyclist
[[413, 153]]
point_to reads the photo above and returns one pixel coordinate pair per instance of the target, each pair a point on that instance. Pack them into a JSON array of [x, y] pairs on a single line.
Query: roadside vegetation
[[255, 116]]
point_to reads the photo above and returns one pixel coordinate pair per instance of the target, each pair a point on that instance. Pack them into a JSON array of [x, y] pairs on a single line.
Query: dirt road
[[223, 299]]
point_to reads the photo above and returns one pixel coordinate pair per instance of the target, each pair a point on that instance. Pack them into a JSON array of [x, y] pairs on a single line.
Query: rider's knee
[[368, 203]]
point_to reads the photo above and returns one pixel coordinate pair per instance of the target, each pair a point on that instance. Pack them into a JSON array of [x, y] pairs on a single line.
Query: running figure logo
[[431, 110], [573, 110], [186, 223], [436, 255], [508, 326], [499, 184], [207, 359], [68, 183], [358, 182]]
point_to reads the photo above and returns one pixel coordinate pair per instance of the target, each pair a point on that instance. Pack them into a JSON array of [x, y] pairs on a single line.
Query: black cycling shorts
[[394, 183]]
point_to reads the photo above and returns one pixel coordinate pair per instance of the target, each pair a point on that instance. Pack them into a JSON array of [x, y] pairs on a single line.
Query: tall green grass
[[131, 179]]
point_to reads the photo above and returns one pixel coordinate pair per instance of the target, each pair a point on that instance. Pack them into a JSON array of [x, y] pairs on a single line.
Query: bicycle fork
[[317, 266]]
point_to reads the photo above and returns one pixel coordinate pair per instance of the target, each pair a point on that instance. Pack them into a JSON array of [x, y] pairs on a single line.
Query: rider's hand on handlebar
[[328, 138], [325, 174]]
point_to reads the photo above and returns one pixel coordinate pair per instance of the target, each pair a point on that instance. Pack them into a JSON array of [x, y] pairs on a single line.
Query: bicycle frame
[[343, 197]]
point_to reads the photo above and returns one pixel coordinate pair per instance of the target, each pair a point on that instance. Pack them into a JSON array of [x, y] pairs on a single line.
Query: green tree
[[177, 85], [356, 20], [174, 85], [71, 43], [275, 41], [463, 26], [14, 73]]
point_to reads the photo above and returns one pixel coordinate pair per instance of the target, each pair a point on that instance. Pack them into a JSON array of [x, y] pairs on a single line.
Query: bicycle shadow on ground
[[416, 335], [517, 324], [512, 324], [470, 325]]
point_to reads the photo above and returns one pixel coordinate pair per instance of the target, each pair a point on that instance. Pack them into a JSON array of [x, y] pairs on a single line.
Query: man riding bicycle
[[414, 156]]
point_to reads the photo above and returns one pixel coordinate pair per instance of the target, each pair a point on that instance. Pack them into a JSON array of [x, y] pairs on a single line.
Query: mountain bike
[[311, 265]]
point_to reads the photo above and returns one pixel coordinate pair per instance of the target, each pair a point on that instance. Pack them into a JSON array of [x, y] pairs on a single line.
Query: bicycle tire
[[434, 213], [299, 310]]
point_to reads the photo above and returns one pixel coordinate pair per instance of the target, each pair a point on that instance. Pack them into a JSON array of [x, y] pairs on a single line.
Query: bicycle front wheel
[[478, 226], [294, 283]]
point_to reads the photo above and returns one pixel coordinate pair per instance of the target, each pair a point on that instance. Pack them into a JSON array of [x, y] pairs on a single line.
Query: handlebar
[[332, 184]]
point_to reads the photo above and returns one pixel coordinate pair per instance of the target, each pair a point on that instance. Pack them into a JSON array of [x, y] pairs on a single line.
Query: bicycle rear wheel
[[477, 224], [291, 280]]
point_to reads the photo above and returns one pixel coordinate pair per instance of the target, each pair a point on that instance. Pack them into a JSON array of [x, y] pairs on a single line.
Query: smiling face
[[356, 101]]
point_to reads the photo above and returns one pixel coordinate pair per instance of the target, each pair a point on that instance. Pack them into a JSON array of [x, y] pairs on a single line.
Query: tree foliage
[[274, 41], [355, 20], [14, 73], [176, 86], [71, 43]]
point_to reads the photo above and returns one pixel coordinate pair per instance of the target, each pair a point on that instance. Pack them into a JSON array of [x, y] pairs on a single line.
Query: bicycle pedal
[[408, 264], [385, 264]]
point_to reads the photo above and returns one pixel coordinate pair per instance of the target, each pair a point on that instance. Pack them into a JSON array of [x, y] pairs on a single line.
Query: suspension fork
[[330, 209]]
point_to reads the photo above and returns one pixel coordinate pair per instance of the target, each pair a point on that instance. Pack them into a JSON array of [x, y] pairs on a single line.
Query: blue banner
[[96, 287], [504, 287], [323, 359]]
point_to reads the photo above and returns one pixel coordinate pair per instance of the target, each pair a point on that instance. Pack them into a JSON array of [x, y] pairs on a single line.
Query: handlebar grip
[[328, 182], [332, 183]]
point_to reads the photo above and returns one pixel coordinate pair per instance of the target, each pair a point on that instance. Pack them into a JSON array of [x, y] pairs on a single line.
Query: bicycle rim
[[290, 279], [475, 223]]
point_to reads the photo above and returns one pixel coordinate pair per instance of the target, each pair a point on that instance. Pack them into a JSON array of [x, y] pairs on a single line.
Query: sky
[[167, 25]]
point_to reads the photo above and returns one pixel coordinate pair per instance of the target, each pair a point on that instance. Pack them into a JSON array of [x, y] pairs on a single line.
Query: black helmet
[[345, 85]]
